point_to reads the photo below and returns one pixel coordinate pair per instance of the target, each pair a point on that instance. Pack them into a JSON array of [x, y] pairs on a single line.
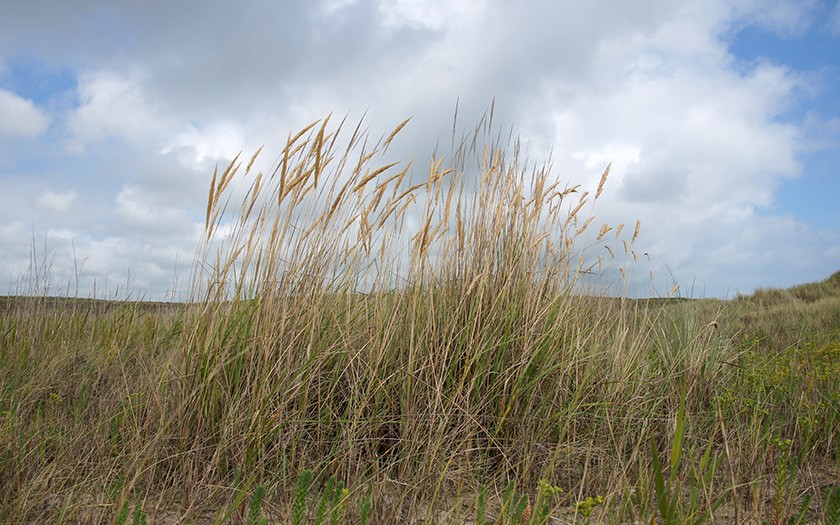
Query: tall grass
[[423, 340], [469, 354]]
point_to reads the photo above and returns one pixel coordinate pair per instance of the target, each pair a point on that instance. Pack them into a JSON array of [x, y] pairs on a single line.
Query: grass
[[365, 346]]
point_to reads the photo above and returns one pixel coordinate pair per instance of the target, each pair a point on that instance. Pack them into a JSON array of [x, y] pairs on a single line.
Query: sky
[[721, 121]]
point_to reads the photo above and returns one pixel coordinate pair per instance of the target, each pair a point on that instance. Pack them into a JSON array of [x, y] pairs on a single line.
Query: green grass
[[439, 370]]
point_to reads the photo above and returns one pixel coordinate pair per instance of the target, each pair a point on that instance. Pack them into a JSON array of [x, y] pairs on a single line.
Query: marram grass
[[366, 342]]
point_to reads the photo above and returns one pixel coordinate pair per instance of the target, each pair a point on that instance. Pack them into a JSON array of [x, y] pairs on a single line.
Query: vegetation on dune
[[796, 316], [362, 347]]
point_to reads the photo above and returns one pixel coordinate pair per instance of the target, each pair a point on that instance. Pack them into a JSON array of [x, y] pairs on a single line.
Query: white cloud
[[141, 212], [834, 20], [198, 148], [20, 117], [699, 143], [56, 201], [13, 232], [696, 137], [333, 6], [426, 14], [783, 16], [112, 104]]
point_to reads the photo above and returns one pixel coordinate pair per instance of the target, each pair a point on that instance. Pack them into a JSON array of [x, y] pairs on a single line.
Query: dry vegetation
[[364, 347]]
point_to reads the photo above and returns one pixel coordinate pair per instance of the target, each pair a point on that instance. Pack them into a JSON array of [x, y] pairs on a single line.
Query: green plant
[[122, 515], [365, 507], [547, 496], [254, 517], [785, 483], [330, 502], [514, 505], [587, 506], [481, 506], [668, 489], [831, 513], [301, 492], [138, 517]]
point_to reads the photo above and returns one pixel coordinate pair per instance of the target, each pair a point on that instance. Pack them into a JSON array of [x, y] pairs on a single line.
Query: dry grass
[[424, 341]]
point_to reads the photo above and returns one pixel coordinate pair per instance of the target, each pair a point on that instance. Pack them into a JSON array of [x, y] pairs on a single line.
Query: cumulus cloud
[[427, 14], [699, 143], [58, 202], [20, 117], [112, 105], [195, 146], [834, 20], [783, 16], [143, 214]]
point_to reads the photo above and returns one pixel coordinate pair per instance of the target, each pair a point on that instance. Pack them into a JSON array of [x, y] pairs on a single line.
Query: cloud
[[834, 20], [714, 127], [785, 17], [20, 117], [57, 202], [140, 211], [195, 147], [112, 105], [699, 142], [427, 14]]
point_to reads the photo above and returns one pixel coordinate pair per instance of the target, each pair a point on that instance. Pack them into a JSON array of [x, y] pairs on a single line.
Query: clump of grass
[[355, 349]]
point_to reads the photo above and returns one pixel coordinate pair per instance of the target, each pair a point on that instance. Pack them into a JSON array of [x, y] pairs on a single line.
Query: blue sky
[[721, 120], [812, 50]]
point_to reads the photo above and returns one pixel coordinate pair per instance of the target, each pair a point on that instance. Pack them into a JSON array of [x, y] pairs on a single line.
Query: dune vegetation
[[366, 344]]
